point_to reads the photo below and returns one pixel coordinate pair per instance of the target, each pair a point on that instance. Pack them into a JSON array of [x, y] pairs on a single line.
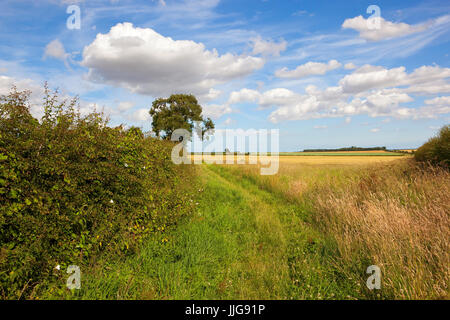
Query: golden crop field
[[309, 160], [330, 160]]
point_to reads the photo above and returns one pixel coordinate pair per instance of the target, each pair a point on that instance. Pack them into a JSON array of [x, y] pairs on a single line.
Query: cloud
[[211, 95], [140, 115], [143, 61], [367, 30], [369, 77], [374, 130], [383, 102], [427, 74], [346, 47], [425, 79], [436, 106], [125, 106], [55, 49], [244, 95], [371, 90], [267, 48], [320, 127], [277, 96], [349, 66], [438, 101], [215, 111], [308, 69], [228, 121]]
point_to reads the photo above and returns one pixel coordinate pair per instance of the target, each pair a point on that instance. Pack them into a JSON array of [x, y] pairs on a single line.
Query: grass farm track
[[241, 243], [300, 234]]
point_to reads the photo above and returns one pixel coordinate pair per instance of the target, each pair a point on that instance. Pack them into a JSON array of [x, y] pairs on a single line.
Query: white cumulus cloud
[[370, 90], [244, 95], [264, 47], [146, 62], [387, 29]]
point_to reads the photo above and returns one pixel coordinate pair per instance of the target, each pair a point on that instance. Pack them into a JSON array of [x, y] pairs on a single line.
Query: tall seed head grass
[[396, 217]]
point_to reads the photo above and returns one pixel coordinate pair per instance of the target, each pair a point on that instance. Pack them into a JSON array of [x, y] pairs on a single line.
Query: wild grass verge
[[395, 215]]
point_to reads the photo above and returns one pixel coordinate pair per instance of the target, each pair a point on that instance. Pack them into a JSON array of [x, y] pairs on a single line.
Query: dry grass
[[395, 217], [393, 214]]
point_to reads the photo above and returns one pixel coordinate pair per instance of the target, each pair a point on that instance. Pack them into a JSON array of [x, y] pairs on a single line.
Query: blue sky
[[323, 72]]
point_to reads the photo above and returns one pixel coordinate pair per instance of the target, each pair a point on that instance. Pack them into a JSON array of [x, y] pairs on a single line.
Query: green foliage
[[179, 111], [437, 149], [72, 189]]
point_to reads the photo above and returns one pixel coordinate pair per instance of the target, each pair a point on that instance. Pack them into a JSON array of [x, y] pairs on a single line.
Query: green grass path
[[241, 243]]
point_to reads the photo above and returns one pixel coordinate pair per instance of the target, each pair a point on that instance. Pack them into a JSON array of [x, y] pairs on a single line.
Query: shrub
[[72, 188], [437, 149]]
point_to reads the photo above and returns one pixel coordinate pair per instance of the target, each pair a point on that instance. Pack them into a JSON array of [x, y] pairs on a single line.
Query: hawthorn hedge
[[72, 189], [437, 149]]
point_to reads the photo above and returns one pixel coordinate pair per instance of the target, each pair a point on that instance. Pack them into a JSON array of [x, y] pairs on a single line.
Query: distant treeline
[[347, 149]]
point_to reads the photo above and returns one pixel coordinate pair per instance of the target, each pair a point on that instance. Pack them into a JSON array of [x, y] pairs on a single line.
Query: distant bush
[[437, 149], [72, 188]]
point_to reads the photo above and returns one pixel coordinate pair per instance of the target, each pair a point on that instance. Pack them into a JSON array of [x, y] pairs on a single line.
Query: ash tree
[[179, 111]]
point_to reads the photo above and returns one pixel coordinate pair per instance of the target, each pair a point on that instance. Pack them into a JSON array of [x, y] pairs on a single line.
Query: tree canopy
[[179, 111]]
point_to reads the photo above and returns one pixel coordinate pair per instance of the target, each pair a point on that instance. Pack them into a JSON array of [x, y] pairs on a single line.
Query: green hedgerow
[[437, 149], [72, 188]]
